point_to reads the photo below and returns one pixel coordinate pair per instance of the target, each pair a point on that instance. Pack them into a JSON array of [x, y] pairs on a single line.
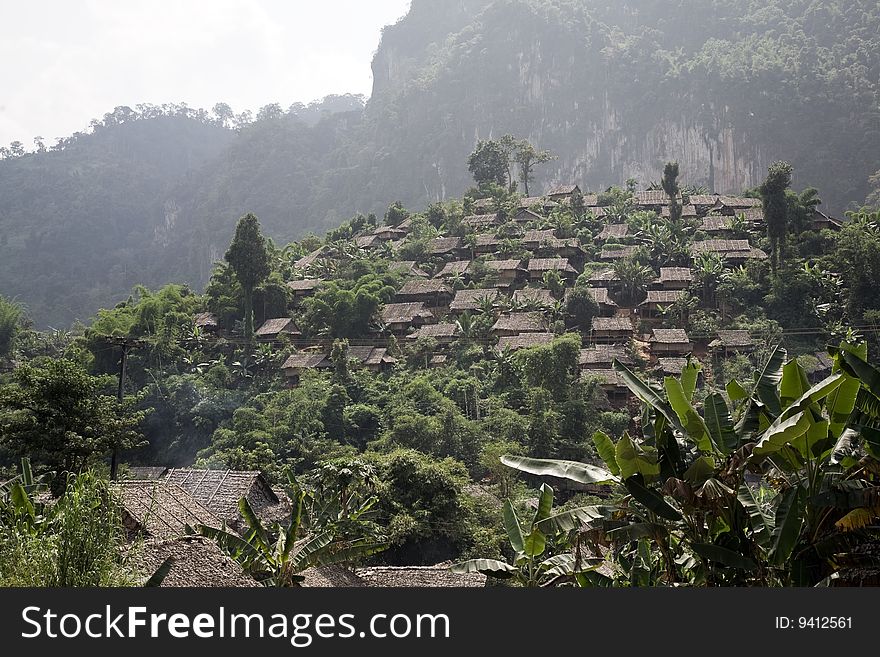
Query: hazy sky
[[65, 62]]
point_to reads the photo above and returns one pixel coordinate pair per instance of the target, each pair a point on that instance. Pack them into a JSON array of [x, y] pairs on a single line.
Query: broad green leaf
[[566, 564], [21, 501], [491, 567], [27, 474], [794, 383], [816, 435], [811, 396], [724, 556], [512, 527], [306, 552], [700, 470], [583, 473], [840, 404], [253, 521], [535, 543], [768, 379], [735, 391], [719, 423], [695, 427], [545, 503], [605, 448], [650, 499], [857, 367], [160, 573], [647, 394], [689, 376], [761, 524], [565, 521], [635, 530], [872, 440], [631, 461], [233, 545], [773, 439], [787, 525]]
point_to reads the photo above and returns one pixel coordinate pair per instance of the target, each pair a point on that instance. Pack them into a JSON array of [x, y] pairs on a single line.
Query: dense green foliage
[[77, 541]]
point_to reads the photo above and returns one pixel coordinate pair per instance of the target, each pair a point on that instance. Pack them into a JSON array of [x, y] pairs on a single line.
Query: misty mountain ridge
[[724, 87]]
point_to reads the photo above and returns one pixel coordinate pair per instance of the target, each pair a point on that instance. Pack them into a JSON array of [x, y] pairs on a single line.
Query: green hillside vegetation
[[690, 370], [149, 195]]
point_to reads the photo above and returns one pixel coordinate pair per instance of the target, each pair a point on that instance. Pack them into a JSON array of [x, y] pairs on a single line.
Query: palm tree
[[465, 326], [682, 307], [634, 277], [708, 272], [486, 304]]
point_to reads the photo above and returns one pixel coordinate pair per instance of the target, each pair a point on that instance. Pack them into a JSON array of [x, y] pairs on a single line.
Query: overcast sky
[[63, 62]]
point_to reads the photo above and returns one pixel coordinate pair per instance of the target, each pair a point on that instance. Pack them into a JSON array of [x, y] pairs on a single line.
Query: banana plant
[[542, 552], [18, 508], [685, 484], [276, 556]]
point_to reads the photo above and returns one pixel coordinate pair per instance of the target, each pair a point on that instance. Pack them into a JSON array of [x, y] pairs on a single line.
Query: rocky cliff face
[[508, 67]]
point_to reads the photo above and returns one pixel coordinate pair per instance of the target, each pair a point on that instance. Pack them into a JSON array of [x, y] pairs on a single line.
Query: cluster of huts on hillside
[[159, 503], [431, 299]]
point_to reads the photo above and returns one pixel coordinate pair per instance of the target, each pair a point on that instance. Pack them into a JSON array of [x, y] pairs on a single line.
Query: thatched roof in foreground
[[331, 577], [438, 576], [198, 562], [220, 490], [159, 509]]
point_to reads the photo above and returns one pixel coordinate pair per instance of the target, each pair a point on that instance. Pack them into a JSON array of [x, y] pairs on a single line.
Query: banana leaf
[[583, 473], [719, 423], [491, 567], [605, 449], [545, 503], [779, 435], [512, 527], [651, 499], [565, 521], [535, 543], [760, 522], [787, 525], [632, 461], [689, 376], [724, 556], [647, 394], [695, 427], [768, 380]]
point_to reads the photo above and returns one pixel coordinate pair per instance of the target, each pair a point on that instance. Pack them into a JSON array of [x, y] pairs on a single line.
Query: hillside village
[[520, 268], [405, 375]]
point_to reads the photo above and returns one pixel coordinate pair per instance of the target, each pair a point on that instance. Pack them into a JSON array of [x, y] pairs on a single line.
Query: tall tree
[[57, 414], [10, 321], [670, 186], [776, 208], [249, 258], [489, 163], [527, 157]]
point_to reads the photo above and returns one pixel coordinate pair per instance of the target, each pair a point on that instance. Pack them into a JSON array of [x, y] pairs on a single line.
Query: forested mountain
[[614, 90]]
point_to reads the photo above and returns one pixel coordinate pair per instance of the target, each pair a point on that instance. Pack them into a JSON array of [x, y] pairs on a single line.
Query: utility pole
[[126, 344]]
